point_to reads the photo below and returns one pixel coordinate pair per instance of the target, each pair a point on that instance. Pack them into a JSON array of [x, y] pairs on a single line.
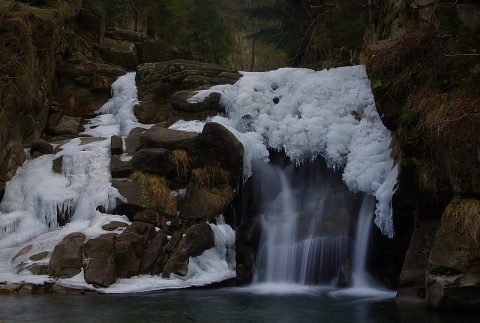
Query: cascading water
[[305, 223], [360, 277]]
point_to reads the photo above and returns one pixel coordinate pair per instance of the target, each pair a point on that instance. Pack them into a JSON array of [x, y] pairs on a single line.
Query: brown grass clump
[[209, 176], [158, 188], [182, 161], [467, 215]]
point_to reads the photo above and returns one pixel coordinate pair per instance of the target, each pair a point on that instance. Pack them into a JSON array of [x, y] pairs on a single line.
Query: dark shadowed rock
[[412, 277], [452, 280], [156, 50], [153, 160], [99, 266], [67, 257], [219, 147], [68, 126]]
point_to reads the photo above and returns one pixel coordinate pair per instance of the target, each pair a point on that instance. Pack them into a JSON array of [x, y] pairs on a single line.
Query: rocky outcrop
[[158, 82], [422, 59]]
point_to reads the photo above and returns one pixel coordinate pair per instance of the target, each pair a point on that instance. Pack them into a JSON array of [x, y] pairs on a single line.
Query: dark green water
[[214, 305]]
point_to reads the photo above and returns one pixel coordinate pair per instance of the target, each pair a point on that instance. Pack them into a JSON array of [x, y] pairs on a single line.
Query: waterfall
[[360, 277], [300, 243]]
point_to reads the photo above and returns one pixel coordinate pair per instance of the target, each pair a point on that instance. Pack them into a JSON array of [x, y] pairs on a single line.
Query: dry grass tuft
[[158, 188], [467, 215], [182, 161], [209, 176]]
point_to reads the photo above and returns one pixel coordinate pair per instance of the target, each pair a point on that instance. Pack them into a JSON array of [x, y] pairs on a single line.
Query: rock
[[146, 230], [416, 261], [22, 252], [99, 266], [126, 35], [157, 137], [41, 146], [114, 225], [120, 53], [147, 216], [129, 253], [154, 161], [69, 126], [219, 147], [116, 145], [452, 280], [132, 142], [120, 168], [39, 269], [67, 257], [197, 239], [91, 22], [154, 249], [206, 202], [39, 256], [181, 101], [155, 50]]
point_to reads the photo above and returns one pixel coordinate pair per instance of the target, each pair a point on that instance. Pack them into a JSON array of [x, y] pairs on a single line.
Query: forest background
[[249, 35]]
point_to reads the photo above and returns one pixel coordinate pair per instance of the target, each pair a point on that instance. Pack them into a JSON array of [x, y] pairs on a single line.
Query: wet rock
[[67, 257], [148, 216]]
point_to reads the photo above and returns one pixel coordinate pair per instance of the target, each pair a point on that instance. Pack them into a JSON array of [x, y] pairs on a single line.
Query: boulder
[[219, 147], [68, 125], [206, 202], [154, 249], [120, 168], [155, 50], [182, 101], [154, 161], [197, 239], [147, 216], [40, 147], [67, 257], [99, 265], [130, 246], [157, 137], [412, 276], [121, 53], [116, 145]]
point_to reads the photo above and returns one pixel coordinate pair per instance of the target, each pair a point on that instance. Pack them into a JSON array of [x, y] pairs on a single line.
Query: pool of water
[[258, 304]]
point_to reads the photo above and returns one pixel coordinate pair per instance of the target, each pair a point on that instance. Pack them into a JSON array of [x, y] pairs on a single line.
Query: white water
[[360, 277]]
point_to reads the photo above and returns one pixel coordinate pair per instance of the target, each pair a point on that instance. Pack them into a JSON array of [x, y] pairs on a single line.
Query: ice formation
[[308, 113]]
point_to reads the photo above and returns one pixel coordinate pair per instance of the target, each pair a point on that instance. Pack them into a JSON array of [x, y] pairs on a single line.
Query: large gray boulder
[[158, 137], [120, 53]]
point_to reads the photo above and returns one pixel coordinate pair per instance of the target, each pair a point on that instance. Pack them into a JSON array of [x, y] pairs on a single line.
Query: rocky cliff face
[[423, 59]]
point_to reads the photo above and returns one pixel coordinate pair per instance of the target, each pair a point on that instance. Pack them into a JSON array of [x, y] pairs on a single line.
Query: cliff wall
[[423, 60]]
